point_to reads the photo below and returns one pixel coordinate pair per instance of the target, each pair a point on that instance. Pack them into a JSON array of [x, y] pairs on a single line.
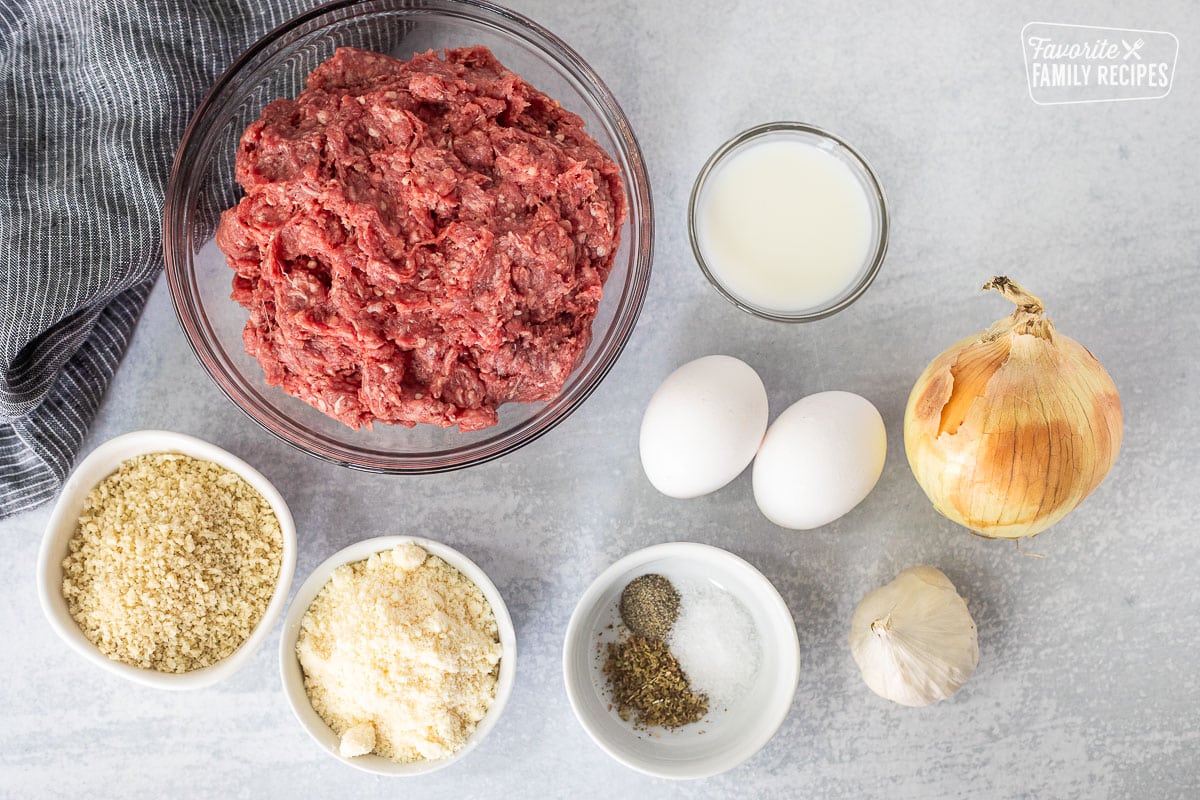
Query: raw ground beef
[[420, 241]]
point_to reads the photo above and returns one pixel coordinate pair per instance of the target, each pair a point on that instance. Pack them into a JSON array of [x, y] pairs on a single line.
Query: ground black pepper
[[649, 606]]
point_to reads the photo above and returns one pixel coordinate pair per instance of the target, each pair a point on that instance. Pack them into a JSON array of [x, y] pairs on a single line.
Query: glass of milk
[[788, 222]]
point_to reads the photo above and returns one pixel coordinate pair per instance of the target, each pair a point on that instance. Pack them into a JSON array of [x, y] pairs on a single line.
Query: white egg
[[703, 426], [819, 459]]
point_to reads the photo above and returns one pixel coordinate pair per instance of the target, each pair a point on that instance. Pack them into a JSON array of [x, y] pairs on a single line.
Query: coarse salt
[[716, 643]]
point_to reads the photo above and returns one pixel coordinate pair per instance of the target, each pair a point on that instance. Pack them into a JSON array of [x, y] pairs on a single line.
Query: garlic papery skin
[[1011, 428], [914, 639]]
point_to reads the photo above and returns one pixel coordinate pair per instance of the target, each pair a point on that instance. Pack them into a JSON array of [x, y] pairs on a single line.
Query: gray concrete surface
[[1088, 680]]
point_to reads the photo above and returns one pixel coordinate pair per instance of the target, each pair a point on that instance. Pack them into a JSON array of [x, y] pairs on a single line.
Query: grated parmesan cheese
[[401, 651]]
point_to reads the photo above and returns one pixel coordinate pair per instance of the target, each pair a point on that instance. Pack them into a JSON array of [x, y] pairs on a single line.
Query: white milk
[[784, 225]]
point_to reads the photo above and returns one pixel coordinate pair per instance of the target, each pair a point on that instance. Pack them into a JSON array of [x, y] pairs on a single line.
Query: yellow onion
[[1010, 429]]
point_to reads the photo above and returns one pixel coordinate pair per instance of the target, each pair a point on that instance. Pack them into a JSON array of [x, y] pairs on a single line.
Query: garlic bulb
[[914, 639], [1010, 429]]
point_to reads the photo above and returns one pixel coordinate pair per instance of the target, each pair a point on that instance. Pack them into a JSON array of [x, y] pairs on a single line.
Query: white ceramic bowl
[[728, 738], [101, 463], [293, 676]]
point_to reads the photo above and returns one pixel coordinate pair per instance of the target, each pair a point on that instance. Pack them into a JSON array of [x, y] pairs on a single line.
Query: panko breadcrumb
[[402, 646], [173, 563]]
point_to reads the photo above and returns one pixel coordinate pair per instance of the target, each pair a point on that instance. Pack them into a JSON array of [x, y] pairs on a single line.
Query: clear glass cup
[[863, 174]]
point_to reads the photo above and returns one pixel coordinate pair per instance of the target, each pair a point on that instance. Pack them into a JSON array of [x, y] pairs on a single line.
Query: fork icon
[[1132, 49]]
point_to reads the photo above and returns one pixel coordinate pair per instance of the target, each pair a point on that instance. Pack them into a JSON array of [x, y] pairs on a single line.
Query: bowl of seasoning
[[788, 222], [398, 655], [681, 660], [166, 560], [408, 236]]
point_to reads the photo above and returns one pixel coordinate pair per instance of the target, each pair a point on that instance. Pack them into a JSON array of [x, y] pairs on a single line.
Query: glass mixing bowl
[[202, 185]]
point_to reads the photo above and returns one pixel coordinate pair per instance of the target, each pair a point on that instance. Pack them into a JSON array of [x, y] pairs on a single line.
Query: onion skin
[[1010, 429]]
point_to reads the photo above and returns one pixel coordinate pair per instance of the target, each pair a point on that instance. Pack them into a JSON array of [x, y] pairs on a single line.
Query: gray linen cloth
[[94, 97]]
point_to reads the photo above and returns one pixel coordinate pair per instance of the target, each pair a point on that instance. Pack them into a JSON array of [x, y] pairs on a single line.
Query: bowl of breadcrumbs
[[166, 560]]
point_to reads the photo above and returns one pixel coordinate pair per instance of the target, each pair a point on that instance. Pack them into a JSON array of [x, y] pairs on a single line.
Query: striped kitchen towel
[[94, 97]]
